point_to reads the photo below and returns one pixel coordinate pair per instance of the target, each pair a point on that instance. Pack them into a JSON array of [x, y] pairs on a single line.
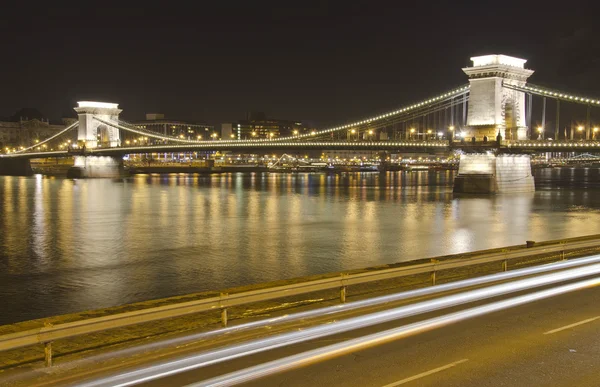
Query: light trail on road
[[335, 350], [332, 310], [260, 345]]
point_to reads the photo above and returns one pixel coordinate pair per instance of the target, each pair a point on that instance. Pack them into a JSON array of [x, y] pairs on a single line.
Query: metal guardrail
[[49, 333]]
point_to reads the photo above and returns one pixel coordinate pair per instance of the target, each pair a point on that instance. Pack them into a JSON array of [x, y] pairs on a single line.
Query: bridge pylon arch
[[91, 129], [494, 108]]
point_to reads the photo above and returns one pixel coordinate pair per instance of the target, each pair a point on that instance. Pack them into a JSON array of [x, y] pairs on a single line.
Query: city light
[[580, 128], [540, 129], [451, 128]]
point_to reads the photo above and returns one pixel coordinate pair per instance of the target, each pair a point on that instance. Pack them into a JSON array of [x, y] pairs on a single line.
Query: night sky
[[321, 62]]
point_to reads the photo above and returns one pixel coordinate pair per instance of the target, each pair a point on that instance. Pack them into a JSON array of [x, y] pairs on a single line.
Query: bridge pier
[[15, 167], [383, 161], [490, 174], [97, 167]]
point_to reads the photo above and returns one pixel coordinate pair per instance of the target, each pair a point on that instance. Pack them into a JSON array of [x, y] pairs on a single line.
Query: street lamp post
[[595, 132], [451, 129], [580, 130], [540, 130], [412, 132]]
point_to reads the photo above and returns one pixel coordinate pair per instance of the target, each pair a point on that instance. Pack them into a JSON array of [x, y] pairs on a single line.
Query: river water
[[73, 245]]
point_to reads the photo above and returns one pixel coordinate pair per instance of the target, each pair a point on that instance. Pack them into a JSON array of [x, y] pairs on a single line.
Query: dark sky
[[323, 62]]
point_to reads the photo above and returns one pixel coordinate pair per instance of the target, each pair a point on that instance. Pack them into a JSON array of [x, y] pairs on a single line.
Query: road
[[544, 341], [553, 342]]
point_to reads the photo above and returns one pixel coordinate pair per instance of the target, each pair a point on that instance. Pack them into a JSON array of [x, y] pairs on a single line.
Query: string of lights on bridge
[[42, 143], [557, 94], [292, 140], [451, 94]]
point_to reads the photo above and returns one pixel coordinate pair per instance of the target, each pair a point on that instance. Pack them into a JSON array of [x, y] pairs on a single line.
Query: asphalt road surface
[[552, 342]]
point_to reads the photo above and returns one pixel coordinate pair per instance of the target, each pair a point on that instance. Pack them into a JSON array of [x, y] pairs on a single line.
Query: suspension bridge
[[489, 120]]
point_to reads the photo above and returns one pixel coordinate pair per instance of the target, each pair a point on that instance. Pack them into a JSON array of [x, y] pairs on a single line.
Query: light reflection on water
[[72, 245]]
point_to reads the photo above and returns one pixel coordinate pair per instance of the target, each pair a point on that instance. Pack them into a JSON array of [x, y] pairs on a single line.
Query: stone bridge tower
[[494, 108], [94, 133]]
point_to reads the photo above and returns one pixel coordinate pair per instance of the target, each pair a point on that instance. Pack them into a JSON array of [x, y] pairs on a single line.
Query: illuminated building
[[258, 125], [188, 130]]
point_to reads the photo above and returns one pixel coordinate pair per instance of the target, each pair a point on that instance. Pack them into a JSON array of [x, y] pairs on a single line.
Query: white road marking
[[572, 325], [427, 373]]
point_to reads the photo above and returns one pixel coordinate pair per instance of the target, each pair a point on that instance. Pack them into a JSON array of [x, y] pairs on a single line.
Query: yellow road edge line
[[572, 325], [426, 373]]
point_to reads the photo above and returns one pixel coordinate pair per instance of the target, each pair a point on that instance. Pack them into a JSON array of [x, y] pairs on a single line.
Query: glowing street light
[[232, 135], [540, 130], [580, 129], [295, 132], [412, 132]]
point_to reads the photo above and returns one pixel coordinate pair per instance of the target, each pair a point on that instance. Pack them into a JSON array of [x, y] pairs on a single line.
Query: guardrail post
[[224, 317], [505, 265], [343, 290], [433, 273], [223, 311], [48, 354]]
